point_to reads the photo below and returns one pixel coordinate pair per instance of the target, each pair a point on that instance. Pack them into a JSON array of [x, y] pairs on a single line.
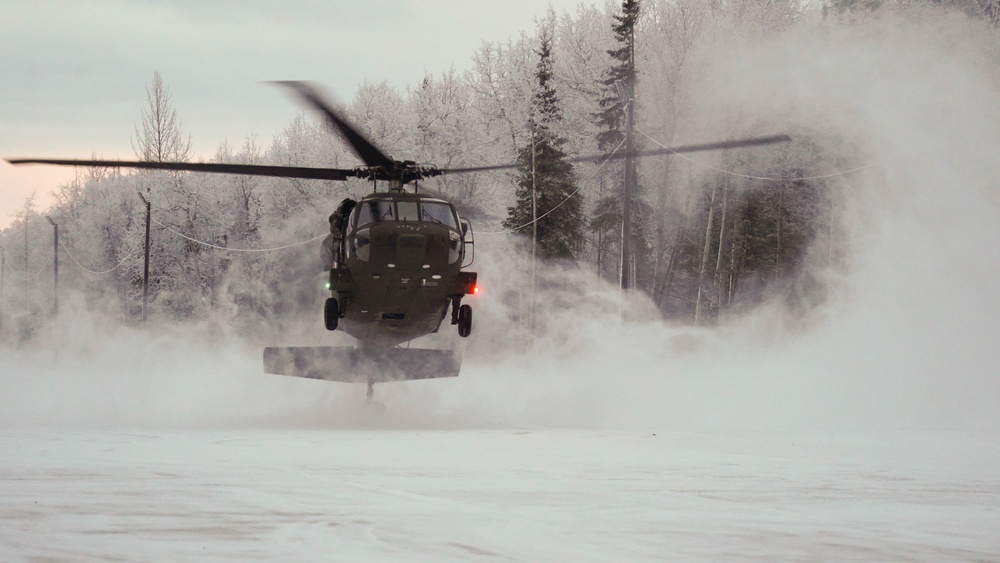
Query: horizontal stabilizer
[[350, 365]]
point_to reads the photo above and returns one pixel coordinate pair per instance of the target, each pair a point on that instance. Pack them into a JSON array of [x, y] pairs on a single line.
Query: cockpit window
[[372, 211], [386, 210], [438, 213], [407, 210]]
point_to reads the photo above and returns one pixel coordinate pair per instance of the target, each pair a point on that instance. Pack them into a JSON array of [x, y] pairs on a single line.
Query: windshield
[[386, 210], [407, 210], [438, 213], [376, 210]]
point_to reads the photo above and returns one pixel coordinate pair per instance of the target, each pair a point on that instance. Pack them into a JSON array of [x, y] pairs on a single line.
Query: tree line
[[709, 236]]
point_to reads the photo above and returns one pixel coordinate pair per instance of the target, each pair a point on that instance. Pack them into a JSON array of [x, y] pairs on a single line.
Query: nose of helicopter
[[411, 249]]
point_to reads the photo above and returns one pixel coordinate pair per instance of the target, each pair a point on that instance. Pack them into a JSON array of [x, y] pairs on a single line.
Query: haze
[[866, 428]]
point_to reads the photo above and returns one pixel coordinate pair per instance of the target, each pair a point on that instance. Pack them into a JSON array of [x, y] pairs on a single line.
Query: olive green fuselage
[[397, 268]]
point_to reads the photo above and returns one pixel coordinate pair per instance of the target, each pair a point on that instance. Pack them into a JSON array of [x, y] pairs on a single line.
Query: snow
[[496, 493], [169, 444], [868, 430], [195, 455]]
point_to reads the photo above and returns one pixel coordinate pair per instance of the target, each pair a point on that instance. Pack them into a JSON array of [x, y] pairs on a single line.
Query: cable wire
[[217, 247], [567, 198], [128, 258], [27, 279]]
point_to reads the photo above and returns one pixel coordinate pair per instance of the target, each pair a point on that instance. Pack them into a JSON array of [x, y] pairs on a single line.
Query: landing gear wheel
[[331, 313], [465, 321]]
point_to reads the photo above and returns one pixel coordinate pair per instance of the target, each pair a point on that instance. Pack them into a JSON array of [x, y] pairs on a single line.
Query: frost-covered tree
[[27, 255], [159, 138], [718, 253], [988, 9], [548, 209], [611, 116], [619, 85], [447, 133]]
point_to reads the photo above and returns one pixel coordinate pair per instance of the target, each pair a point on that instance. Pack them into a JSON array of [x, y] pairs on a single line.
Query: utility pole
[[534, 227], [26, 259], [145, 267], [3, 268], [55, 267], [627, 97]]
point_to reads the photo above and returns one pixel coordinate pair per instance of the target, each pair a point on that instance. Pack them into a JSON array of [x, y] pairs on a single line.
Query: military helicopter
[[395, 258]]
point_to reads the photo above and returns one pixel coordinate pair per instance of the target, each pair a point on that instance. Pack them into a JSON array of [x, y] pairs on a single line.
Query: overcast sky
[[73, 73]]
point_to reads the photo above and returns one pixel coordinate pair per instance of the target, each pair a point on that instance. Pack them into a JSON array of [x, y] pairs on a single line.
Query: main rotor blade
[[476, 169], [365, 149], [753, 141], [737, 143], [215, 168]]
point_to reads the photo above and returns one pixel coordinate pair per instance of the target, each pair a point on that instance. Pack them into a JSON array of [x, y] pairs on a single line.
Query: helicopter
[[396, 259]]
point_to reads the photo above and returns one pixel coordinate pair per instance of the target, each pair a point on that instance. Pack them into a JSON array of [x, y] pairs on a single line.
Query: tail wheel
[[465, 320], [331, 313]]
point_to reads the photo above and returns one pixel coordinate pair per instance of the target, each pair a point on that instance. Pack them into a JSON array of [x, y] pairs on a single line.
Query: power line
[[27, 279], [567, 198], [128, 258], [217, 247]]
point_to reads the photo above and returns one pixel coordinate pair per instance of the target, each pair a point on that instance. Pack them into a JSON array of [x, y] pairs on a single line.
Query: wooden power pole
[[628, 99], [3, 268], [145, 266], [55, 267]]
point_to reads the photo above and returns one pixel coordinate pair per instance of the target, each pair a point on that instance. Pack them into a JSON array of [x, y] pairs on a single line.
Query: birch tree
[[158, 136]]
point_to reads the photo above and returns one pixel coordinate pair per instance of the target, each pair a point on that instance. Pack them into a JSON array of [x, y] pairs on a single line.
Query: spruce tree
[[611, 117], [606, 220], [543, 169]]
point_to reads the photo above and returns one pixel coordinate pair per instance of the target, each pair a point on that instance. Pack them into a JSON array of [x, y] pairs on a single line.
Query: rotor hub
[[399, 171]]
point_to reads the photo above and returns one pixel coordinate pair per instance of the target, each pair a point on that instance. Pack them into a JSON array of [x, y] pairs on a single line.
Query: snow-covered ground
[[495, 493], [204, 458]]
